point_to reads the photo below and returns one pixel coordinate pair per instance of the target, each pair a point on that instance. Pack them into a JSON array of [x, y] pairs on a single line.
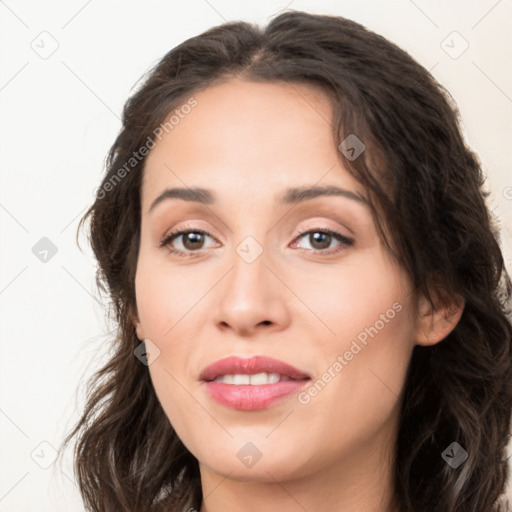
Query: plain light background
[[67, 68]]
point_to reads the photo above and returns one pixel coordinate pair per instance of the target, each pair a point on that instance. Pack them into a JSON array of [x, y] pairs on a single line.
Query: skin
[[248, 142]]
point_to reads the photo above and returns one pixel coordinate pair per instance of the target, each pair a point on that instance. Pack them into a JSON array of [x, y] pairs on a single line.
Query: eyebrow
[[290, 195]]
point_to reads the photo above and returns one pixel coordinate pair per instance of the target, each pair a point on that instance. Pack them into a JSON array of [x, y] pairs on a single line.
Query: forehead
[[248, 138]]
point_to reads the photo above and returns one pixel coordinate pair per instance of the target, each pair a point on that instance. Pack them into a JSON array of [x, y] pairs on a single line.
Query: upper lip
[[246, 366]]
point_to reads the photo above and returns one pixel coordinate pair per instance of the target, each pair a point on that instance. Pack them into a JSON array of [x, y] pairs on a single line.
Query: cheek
[[164, 297], [168, 303], [355, 296], [367, 309], [374, 326]]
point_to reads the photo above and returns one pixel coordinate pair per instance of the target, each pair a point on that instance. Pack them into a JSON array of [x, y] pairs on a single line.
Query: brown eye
[[320, 240], [187, 241], [192, 240]]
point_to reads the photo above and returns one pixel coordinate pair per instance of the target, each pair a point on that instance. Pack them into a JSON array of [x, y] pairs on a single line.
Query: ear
[[136, 323], [140, 332], [434, 324]]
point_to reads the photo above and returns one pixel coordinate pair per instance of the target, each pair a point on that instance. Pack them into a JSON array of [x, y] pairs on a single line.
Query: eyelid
[[189, 226], [336, 222]]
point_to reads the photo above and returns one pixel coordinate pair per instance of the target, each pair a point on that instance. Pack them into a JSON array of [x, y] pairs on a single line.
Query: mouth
[[252, 384], [254, 379]]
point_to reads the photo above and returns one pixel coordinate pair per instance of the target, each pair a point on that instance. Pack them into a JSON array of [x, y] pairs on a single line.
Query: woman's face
[[335, 307]]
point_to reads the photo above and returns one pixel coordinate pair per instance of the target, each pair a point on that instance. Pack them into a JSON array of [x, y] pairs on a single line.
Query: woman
[[256, 366]]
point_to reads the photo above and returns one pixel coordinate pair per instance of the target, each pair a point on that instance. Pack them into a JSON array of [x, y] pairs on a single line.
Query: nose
[[252, 297]]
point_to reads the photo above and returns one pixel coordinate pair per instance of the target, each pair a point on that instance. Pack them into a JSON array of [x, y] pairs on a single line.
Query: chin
[[261, 461]]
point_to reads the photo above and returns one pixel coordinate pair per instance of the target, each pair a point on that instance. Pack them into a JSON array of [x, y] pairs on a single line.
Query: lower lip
[[252, 398]]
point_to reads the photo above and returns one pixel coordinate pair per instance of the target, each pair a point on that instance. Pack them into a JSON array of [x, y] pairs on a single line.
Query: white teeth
[[272, 378], [241, 379], [254, 380], [263, 378]]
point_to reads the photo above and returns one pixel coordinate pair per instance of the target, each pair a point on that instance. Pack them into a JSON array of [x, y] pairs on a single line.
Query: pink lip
[[248, 397]]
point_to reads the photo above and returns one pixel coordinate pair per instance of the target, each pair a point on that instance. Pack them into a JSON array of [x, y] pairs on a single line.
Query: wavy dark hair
[[425, 187]]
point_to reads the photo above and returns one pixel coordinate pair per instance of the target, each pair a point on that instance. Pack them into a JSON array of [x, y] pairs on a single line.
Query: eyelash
[[170, 237]]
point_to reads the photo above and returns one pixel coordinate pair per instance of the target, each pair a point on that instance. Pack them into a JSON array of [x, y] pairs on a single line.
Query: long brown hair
[[425, 187]]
